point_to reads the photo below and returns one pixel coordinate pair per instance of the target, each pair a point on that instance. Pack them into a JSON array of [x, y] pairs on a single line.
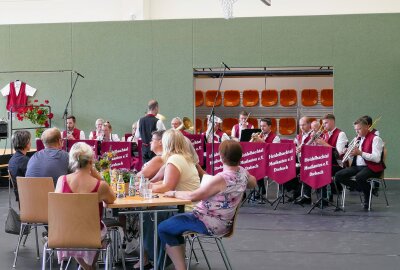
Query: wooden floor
[[287, 238]]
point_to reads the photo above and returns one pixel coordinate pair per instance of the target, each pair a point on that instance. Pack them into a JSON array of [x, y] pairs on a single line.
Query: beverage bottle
[[141, 185], [120, 187], [132, 189], [114, 183]]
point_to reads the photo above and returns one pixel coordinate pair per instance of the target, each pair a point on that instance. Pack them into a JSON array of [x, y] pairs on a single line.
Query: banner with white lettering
[[316, 165], [198, 144], [122, 150], [209, 160], [253, 158], [281, 162], [91, 143]]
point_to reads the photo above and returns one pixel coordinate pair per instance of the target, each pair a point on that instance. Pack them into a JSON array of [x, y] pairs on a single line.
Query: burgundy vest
[[299, 136], [367, 148], [94, 136], [13, 99], [270, 138], [332, 140], [236, 129], [76, 133]]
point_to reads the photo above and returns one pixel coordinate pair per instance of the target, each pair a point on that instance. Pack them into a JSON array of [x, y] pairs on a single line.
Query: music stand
[[321, 201], [245, 136]]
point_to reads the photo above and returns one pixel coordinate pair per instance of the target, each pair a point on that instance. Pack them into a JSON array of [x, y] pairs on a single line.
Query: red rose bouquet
[[38, 114]]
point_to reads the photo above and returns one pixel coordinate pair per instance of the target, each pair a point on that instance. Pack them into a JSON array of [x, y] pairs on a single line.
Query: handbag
[[13, 221]]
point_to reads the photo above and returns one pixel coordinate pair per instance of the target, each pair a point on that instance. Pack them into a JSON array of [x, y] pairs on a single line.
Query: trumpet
[[256, 137]]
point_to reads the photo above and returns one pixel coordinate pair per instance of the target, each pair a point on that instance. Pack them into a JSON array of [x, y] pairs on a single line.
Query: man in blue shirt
[[51, 161]]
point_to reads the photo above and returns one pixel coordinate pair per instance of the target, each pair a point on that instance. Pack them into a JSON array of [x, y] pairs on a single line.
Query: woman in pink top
[[84, 179], [219, 197]]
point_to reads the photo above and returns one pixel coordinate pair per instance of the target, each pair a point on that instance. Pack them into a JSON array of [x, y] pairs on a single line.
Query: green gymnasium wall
[[127, 63]]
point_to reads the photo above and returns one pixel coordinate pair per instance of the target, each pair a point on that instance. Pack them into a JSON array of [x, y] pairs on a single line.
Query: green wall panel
[[173, 68], [236, 42]]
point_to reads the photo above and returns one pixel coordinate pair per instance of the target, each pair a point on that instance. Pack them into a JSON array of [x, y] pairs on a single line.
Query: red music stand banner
[[91, 143], [198, 144], [136, 162], [253, 159], [209, 161], [39, 145], [281, 162], [316, 165], [122, 160]]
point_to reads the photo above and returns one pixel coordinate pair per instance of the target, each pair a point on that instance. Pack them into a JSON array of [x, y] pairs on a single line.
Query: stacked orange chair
[[327, 97], [199, 126], [253, 121], [231, 98], [210, 96], [250, 98], [309, 97], [287, 126], [227, 125], [269, 97], [288, 97], [199, 97]]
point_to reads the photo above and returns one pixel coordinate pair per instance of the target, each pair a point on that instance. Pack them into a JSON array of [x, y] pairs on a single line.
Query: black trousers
[[147, 154], [361, 173]]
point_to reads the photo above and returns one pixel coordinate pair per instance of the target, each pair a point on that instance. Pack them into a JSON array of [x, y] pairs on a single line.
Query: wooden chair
[[74, 225], [250, 98], [33, 193]]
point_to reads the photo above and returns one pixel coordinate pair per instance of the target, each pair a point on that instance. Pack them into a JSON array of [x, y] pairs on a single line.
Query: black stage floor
[[287, 238]]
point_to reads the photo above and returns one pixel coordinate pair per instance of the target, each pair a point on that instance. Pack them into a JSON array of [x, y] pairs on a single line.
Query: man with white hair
[[219, 135]]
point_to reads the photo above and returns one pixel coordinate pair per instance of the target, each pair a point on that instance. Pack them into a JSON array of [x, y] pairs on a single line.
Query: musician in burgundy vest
[[17, 93], [266, 136], [146, 125], [219, 135], [243, 124], [369, 121], [368, 161], [176, 123], [98, 133], [72, 133], [334, 138], [301, 139]]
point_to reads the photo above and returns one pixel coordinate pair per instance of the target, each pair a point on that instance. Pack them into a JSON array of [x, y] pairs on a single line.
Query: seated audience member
[[151, 167], [132, 138], [98, 133], [84, 179], [72, 133], [107, 133], [213, 215], [21, 141], [243, 124], [180, 174], [51, 161]]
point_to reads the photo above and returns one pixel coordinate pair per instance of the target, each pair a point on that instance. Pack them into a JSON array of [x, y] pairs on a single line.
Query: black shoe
[[375, 191], [291, 199], [146, 267], [365, 206], [303, 200]]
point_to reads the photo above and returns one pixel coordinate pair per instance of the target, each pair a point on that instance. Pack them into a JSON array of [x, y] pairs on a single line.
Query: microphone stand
[[65, 114], [212, 115]]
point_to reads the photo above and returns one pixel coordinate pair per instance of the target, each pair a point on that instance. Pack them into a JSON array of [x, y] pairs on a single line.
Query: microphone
[[225, 65], [80, 75]]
